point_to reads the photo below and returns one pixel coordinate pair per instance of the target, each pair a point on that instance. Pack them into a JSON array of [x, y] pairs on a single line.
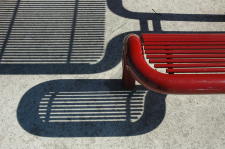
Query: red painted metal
[[148, 43], [184, 39], [189, 65], [212, 35], [173, 82], [188, 56], [185, 52], [195, 70], [186, 60], [127, 78], [184, 47]]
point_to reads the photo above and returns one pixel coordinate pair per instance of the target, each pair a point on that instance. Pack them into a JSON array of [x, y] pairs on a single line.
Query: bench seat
[[175, 63]]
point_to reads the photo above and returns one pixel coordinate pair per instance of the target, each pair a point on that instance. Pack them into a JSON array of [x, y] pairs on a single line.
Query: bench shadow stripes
[[8, 11], [87, 108], [56, 32], [91, 106], [56, 37]]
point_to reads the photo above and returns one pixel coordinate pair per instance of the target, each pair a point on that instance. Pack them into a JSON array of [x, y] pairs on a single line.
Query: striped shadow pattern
[[89, 108], [92, 106], [54, 32], [6, 15]]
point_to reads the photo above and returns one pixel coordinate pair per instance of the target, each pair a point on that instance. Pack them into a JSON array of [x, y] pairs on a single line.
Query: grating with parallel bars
[[185, 53], [90, 106], [52, 31]]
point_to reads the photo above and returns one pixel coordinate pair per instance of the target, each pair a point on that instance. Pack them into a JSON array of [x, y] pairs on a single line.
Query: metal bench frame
[[135, 67]]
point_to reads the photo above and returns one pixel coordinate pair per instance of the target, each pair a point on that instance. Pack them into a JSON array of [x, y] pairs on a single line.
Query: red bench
[[175, 63]]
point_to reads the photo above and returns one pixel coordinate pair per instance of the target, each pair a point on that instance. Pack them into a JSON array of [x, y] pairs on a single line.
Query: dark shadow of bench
[[89, 108]]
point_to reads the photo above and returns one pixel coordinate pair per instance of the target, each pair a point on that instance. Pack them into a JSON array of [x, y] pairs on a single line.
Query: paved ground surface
[[174, 121]]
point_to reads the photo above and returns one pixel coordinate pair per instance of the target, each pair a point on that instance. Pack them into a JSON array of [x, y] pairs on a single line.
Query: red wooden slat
[[195, 70], [189, 65], [183, 35], [180, 47], [184, 51], [184, 47], [149, 43], [186, 60], [185, 38], [188, 56]]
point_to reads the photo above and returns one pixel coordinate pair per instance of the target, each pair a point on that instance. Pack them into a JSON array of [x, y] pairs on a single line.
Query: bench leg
[[127, 79]]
